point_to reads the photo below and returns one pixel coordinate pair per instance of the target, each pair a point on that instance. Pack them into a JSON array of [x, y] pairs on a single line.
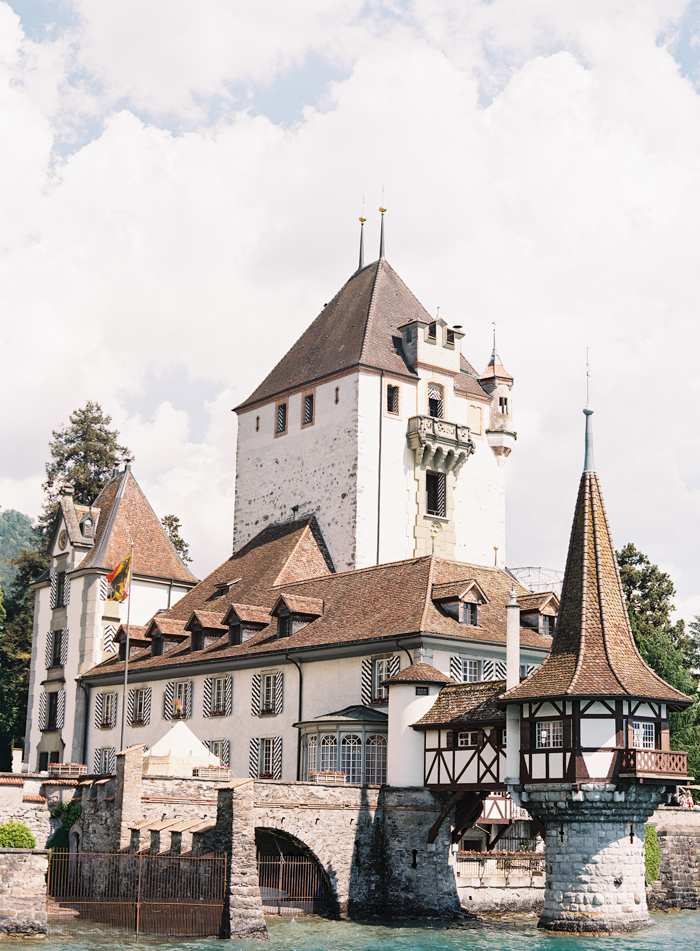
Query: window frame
[[57, 647], [139, 705], [218, 709], [470, 613], [109, 707], [281, 404], [306, 395], [503, 402], [641, 728], [379, 673], [268, 694], [60, 589], [469, 664], [393, 390], [549, 734], [467, 740], [439, 400], [52, 710], [437, 510]]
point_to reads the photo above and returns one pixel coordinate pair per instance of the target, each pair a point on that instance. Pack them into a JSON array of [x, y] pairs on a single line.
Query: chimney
[[512, 641]]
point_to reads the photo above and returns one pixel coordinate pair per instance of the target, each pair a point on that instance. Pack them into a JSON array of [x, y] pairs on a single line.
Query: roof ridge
[[428, 594], [584, 585], [603, 607], [370, 308]]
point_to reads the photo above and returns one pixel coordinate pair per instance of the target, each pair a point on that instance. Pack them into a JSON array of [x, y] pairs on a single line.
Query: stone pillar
[[127, 795], [23, 892], [595, 875]]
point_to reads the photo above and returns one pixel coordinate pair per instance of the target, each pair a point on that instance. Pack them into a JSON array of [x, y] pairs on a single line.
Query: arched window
[[351, 757], [329, 752], [375, 760], [311, 747]]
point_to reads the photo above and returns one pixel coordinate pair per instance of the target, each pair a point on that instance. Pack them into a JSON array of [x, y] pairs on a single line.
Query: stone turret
[[498, 383], [595, 758]]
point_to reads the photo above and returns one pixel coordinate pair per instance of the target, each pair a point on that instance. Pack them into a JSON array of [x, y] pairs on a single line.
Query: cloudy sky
[[180, 182]]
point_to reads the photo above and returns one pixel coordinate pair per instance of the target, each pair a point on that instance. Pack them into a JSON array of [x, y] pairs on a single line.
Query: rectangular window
[[421, 691], [284, 625], [104, 758], [269, 694], [139, 706], [471, 669], [218, 697], [380, 694], [61, 589], [180, 700], [450, 338], [217, 748], [52, 711], [503, 405], [308, 414], [266, 758], [550, 734], [432, 331], [436, 407], [109, 709], [644, 735], [392, 400], [57, 648], [548, 625], [468, 740], [471, 614], [435, 490], [281, 419]]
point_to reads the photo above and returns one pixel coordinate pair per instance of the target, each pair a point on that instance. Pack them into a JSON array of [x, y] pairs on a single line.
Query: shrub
[[16, 835], [652, 853]]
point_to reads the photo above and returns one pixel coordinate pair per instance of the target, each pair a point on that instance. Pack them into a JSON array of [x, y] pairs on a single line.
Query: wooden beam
[[436, 826]]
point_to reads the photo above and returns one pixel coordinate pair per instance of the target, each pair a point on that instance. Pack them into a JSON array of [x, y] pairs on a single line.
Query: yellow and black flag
[[120, 580]]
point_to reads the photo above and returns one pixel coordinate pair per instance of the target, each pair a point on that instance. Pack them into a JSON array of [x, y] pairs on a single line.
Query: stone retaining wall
[[23, 891], [678, 886]]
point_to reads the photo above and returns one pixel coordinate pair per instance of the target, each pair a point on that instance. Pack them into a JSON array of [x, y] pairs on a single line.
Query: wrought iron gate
[[292, 885], [149, 894]]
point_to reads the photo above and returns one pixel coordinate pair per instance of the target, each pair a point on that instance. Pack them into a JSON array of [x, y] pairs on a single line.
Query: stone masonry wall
[[678, 885], [23, 891]]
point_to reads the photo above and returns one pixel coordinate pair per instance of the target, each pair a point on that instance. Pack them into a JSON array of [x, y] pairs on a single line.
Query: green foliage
[[652, 853], [171, 524], [67, 813], [60, 841], [16, 835], [16, 533]]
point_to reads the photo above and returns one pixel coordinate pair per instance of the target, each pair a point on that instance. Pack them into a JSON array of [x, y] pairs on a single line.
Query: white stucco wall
[[405, 745]]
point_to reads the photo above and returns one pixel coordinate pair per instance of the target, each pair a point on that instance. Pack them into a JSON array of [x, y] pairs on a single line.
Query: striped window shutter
[[531, 668], [104, 589], [48, 656], [206, 703], [115, 701], [96, 762], [277, 758], [130, 706], [435, 394], [99, 702], [112, 760], [110, 631], [61, 709], [147, 705], [366, 689], [394, 665], [255, 699], [42, 711], [54, 589], [226, 754], [489, 669], [168, 700], [188, 699], [442, 494], [254, 761], [229, 696], [279, 691], [66, 590], [500, 670], [64, 646], [456, 670]]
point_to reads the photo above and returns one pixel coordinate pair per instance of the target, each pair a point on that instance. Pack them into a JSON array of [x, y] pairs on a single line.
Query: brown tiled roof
[[420, 673], [539, 601], [301, 605], [249, 614], [359, 327], [208, 619], [126, 518], [168, 626], [593, 653], [464, 704], [137, 632], [33, 797], [11, 781], [467, 384], [456, 589]]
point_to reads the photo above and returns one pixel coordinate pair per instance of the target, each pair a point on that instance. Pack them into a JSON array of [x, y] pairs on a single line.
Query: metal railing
[[149, 894], [292, 885], [501, 865]]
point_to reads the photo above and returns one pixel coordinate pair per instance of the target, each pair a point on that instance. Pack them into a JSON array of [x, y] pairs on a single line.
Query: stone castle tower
[[376, 424]]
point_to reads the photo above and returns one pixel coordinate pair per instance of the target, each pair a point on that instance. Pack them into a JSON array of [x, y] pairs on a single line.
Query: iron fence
[[150, 894], [292, 885]]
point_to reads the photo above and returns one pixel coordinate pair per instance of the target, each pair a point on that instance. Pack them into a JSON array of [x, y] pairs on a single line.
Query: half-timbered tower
[[595, 756]]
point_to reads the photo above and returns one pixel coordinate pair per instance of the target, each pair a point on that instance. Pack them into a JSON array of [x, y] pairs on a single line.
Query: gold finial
[[362, 219], [382, 209]]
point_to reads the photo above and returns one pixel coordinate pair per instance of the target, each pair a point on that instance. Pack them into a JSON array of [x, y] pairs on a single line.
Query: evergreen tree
[[15, 534], [171, 524], [672, 653]]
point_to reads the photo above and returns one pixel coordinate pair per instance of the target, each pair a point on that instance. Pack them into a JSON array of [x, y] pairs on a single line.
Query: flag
[[120, 579]]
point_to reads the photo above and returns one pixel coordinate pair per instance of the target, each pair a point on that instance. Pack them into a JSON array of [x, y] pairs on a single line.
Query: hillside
[[15, 534]]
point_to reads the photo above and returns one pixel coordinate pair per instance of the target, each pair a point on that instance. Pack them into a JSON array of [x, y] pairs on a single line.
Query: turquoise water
[[679, 931]]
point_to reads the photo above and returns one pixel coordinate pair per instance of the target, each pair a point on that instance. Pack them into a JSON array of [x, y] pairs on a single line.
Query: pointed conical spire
[[593, 653], [495, 367], [495, 359], [362, 243], [382, 211]]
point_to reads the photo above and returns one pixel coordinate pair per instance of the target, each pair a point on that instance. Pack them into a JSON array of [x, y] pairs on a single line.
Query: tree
[[171, 524], [85, 452], [667, 649], [15, 534]]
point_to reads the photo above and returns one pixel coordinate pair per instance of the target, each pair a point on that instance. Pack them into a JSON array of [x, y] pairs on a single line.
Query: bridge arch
[[291, 877]]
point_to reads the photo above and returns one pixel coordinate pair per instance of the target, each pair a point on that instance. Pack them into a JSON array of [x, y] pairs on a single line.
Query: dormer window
[[471, 613], [450, 338], [548, 625], [156, 646], [234, 634], [284, 625], [197, 639], [432, 330], [88, 527], [436, 407]]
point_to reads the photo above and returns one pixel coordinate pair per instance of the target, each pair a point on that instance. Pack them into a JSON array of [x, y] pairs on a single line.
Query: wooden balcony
[[654, 764]]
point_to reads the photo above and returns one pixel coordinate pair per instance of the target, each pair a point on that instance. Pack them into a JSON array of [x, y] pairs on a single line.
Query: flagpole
[[126, 656]]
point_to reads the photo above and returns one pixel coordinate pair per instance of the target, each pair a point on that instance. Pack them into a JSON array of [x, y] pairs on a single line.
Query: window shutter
[[109, 634], [531, 668], [64, 646], [229, 696], [450, 739], [456, 672], [54, 589], [206, 705], [130, 706], [188, 699], [147, 706], [112, 760], [104, 589], [48, 656], [480, 736], [500, 670], [226, 754], [61, 709], [277, 758], [366, 690], [168, 697], [42, 711], [99, 701], [96, 762], [394, 665], [255, 699], [115, 701], [279, 692], [66, 590], [254, 761], [441, 494], [489, 670]]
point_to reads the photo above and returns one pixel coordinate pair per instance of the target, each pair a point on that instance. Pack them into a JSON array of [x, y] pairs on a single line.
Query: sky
[[180, 183]]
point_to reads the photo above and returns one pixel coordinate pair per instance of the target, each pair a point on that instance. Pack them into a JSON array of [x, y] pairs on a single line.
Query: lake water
[[679, 931]]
